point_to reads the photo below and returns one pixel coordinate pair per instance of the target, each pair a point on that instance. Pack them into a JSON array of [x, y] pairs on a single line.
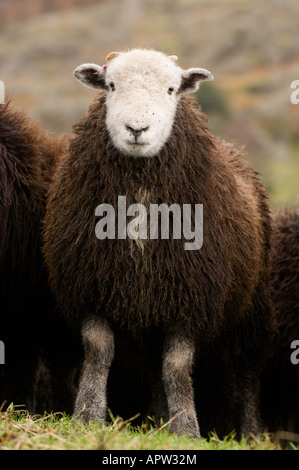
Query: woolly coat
[[138, 288]]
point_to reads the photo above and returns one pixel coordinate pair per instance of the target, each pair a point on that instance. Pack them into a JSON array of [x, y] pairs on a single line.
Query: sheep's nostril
[[136, 132]]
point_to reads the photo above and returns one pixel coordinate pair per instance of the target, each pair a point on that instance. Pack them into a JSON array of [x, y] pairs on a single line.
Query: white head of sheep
[[143, 88]]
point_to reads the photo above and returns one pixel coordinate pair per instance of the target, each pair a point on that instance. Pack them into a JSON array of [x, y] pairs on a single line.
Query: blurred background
[[251, 47]]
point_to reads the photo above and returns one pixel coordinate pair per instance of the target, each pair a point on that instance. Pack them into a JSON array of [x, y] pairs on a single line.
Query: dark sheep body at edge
[[29, 322]]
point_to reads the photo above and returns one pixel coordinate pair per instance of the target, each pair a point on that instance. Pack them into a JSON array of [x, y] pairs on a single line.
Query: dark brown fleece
[[28, 156]]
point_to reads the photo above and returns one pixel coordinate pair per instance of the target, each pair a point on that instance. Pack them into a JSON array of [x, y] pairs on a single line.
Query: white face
[[143, 88]]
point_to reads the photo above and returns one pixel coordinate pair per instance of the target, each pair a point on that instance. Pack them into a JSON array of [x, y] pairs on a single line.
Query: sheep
[[28, 156], [150, 303], [280, 380]]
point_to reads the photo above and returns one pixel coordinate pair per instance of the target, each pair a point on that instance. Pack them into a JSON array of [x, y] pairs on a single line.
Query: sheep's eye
[[170, 90], [112, 86]]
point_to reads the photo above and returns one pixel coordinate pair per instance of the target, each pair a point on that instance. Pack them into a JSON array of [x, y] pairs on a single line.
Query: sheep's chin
[[138, 150]]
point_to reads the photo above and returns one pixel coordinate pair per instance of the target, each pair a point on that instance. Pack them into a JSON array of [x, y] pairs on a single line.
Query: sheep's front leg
[[98, 342], [176, 374]]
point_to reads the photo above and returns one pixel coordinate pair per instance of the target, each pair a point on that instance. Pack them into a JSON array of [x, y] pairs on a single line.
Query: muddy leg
[[98, 342]]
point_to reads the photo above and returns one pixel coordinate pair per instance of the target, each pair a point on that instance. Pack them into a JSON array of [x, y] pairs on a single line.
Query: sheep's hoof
[[185, 427], [86, 416]]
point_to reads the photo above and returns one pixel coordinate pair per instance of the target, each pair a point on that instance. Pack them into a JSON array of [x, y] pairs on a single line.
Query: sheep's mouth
[[137, 144], [137, 149]]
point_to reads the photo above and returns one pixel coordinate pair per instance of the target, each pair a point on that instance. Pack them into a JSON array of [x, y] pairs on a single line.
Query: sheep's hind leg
[[98, 342], [244, 398], [159, 400], [176, 374]]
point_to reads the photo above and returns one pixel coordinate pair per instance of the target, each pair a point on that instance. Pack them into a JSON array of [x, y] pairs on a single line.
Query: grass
[[56, 431]]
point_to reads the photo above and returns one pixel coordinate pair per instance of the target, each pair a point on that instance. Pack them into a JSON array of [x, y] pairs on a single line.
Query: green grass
[[21, 431]]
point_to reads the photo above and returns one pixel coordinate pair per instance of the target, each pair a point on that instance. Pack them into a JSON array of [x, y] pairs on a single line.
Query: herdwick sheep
[[148, 300], [280, 381], [28, 156]]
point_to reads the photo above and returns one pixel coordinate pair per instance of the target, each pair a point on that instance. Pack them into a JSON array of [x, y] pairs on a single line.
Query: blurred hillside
[[14, 9], [251, 47]]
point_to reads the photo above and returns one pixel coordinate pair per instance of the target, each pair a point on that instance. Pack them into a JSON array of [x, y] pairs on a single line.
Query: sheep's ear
[[191, 79], [91, 75], [111, 56]]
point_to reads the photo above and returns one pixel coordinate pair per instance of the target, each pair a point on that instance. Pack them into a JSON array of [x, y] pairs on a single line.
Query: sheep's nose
[[136, 132]]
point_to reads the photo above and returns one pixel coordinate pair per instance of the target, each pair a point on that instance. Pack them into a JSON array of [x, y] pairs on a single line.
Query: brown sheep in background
[[280, 384], [31, 331], [280, 378], [150, 305]]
